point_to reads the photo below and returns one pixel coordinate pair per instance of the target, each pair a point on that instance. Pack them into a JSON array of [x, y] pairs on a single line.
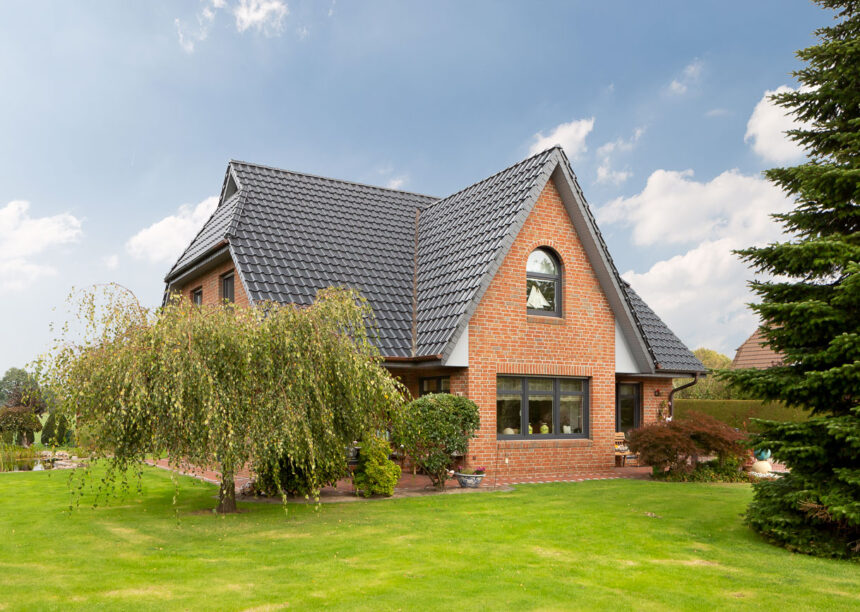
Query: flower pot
[[469, 481]]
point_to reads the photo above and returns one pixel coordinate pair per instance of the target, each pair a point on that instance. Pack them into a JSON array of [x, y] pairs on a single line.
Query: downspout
[[676, 389]]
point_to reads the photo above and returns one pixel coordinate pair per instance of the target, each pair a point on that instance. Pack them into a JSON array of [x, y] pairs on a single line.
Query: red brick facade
[[210, 284], [504, 339]]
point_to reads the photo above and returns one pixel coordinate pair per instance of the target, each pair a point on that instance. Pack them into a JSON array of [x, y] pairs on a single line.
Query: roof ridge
[[495, 174], [333, 180]]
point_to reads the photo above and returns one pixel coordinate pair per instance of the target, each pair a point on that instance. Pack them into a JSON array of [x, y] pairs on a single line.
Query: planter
[[469, 481]]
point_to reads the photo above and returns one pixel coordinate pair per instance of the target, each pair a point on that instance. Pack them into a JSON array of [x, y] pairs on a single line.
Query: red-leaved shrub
[[677, 445]]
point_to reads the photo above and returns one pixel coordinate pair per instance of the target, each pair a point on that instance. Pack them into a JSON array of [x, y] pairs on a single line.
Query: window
[[543, 283], [227, 287], [436, 384], [541, 407], [628, 412], [197, 296]]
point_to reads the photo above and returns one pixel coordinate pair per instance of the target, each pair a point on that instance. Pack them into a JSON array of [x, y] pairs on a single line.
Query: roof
[[754, 354], [291, 234], [668, 351]]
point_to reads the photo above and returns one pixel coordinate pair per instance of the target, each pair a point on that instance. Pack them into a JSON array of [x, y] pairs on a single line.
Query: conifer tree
[[810, 307]]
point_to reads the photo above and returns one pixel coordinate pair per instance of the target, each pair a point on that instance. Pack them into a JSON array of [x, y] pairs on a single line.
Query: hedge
[[738, 413]]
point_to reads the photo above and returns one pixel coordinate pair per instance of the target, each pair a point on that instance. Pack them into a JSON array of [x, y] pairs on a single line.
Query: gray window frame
[[557, 394], [637, 411], [438, 380], [197, 296], [556, 278], [232, 298]]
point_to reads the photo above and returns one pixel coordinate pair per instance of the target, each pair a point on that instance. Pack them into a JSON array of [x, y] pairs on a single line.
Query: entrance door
[[628, 407]]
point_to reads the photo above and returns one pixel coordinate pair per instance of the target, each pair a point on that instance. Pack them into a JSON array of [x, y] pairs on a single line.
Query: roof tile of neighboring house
[[754, 354], [292, 234]]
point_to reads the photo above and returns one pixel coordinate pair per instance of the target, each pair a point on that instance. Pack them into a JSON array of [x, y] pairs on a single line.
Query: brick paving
[[416, 483]]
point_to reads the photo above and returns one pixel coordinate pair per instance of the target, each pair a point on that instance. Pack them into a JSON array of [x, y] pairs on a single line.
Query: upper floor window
[[197, 296], [227, 287], [543, 283]]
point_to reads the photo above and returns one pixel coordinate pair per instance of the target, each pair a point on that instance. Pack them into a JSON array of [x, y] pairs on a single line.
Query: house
[[753, 353], [504, 292]]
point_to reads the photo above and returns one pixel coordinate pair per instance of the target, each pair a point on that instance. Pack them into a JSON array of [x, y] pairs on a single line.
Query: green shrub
[[376, 474], [56, 431], [21, 422], [740, 413], [434, 427], [295, 479], [711, 471]]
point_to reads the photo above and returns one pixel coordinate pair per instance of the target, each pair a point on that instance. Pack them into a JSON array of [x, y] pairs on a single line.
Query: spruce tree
[[810, 307]]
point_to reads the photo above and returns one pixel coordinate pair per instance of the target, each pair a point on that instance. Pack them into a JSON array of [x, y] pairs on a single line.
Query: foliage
[[709, 387], [469, 471], [809, 305], [741, 414], [675, 446], [376, 474], [663, 445], [222, 387], [21, 422], [710, 471], [434, 427], [14, 377], [713, 437], [293, 479], [56, 431]]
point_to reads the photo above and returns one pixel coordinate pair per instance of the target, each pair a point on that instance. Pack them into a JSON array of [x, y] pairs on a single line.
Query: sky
[[117, 121]]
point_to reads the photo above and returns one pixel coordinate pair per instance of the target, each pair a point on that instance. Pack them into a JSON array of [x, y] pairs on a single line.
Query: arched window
[[543, 283]]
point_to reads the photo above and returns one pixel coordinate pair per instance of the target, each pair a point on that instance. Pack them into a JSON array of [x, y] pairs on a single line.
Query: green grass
[[603, 544], [738, 413]]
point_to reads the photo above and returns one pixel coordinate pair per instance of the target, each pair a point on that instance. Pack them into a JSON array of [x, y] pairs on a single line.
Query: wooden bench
[[622, 451]]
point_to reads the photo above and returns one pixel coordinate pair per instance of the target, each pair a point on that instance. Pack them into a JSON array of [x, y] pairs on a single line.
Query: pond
[[27, 465]]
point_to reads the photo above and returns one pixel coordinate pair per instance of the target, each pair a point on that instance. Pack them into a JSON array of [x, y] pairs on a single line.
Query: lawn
[[617, 544]]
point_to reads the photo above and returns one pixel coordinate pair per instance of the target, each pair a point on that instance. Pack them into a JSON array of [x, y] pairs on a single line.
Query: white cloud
[[331, 8], [303, 32], [700, 293], [717, 112], [23, 237], [396, 182], [674, 208], [605, 172], [111, 262], [689, 75], [264, 15], [188, 38], [164, 241], [766, 130], [571, 136]]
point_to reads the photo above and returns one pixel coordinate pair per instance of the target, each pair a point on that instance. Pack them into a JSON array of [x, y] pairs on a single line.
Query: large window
[[541, 407], [543, 283], [227, 287]]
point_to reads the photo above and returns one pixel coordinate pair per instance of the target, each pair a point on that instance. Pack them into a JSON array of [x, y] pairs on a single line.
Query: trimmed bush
[[55, 431], [740, 413], [21, 422], [434, 427], [376, 474]]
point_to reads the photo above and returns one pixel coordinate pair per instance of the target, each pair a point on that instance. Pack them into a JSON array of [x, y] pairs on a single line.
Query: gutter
[[676, 389]]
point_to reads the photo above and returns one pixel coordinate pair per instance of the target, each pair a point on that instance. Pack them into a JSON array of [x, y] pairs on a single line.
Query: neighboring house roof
[[754, 354], [423, 263]]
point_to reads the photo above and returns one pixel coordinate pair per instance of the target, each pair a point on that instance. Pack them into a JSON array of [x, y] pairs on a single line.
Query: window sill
[[547, 320], [558, 442]]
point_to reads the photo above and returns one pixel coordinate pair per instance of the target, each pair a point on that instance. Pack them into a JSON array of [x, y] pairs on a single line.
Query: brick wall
[[210, 282], [503, 339]]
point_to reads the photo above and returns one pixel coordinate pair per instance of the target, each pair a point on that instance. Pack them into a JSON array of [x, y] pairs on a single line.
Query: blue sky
[[117, 121]]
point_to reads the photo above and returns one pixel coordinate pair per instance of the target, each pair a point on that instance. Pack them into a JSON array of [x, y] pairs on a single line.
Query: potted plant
[[470, 478]]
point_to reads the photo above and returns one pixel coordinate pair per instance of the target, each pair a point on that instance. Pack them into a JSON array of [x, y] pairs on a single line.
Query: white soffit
[[459, 356], [624, 361]]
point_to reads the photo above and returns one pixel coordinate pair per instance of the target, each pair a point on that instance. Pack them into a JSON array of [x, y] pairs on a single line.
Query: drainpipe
[[676, 389]]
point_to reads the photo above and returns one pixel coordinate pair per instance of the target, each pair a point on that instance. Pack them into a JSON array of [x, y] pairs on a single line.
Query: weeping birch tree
[[224, 386]]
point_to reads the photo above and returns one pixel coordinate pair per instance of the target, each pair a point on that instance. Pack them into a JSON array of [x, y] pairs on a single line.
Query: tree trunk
[[226, 492]]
